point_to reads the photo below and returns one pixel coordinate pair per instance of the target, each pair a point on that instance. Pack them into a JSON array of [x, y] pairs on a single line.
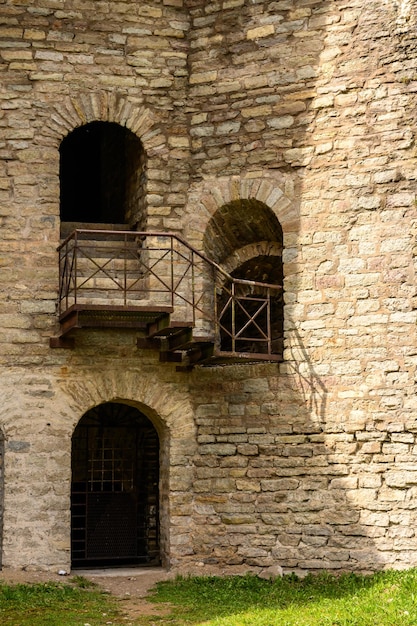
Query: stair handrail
[[172, 235], [221, 281]]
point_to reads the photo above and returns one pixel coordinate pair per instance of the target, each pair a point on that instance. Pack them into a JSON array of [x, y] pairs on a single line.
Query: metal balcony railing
[[151, 273]]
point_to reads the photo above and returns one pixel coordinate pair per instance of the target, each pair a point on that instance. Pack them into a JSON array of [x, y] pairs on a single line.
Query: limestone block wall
[[318, 454], [40, 412], [278, 482], [307, 107], [64, 64]]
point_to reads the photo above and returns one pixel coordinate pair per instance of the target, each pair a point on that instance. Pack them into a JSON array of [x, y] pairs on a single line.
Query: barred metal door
[[114, 499]]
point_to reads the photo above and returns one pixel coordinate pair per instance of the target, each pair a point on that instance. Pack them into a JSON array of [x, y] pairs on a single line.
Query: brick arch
[[171, 413], [163, 405], [240, 223], [250, 251], [47, 458], [84, 107], [115, 455], [237, 223], [279, 192]]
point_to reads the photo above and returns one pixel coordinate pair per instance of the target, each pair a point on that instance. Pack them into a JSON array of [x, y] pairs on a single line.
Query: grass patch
[[384, 599], [52, 604]]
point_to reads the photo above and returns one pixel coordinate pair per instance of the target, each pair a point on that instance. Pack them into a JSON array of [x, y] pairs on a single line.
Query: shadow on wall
[[275, 483], [289, 468], [348, 505], [312, 388]]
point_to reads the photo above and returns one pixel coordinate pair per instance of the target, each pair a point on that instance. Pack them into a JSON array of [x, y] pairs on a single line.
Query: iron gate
[[114, 495]]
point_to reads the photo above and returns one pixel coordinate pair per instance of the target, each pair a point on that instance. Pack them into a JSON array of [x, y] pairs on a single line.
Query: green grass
[[51, 604], [385, 599]]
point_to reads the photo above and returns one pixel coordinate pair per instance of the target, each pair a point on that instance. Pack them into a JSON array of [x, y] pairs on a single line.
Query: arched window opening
[[249, 307], [114, 489], [102, 177], [255, 324]]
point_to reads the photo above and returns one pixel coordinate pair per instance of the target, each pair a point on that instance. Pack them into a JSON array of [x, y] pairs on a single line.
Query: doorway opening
[[102, 177], [114, 489], [246, 238], [256, 323]]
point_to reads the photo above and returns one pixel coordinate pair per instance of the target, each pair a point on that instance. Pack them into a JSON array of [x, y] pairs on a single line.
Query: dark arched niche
[[237, 224], [246, 238], [102, 176]]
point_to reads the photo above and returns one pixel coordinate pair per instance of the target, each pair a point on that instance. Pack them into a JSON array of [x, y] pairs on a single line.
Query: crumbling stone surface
[[306, 108]]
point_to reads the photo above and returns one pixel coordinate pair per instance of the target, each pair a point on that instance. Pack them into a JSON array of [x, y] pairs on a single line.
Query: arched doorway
[[258, 322], [114, 488], [246, 238], [102, 177]]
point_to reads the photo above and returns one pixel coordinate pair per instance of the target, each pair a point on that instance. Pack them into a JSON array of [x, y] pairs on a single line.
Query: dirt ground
[[129, 585]]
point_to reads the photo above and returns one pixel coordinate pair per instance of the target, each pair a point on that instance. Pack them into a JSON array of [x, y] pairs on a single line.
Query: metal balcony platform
[[102, 316], [181, 304]]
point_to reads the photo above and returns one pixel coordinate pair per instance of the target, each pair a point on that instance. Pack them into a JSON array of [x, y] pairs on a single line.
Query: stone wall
[[278, 482], [40, 413], [304, 106], [65, 64], [319, 458]]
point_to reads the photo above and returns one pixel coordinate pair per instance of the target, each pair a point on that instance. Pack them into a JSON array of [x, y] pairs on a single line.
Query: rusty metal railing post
[[193, 300], [268, 321], [61, 268], [75, 265], [233, 329], [216, 310], [172, 271], [61, 282], [125, 270], [68, 270]]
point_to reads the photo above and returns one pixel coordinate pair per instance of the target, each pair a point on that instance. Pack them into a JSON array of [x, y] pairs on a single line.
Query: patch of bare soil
[[132, 589], [20, 576]]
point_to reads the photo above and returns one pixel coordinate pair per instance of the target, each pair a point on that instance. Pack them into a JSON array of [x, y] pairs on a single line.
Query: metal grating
[[114, 504]]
